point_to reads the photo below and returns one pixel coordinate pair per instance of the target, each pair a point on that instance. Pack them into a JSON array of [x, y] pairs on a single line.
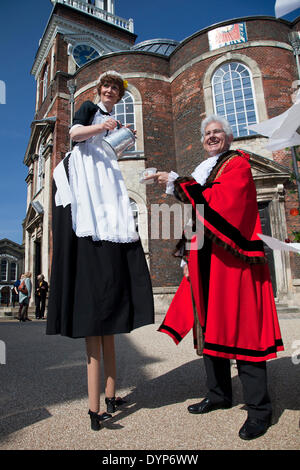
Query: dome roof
[[158, 46]]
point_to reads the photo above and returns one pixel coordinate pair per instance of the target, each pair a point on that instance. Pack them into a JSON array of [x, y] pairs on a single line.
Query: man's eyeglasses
[[214, 132]]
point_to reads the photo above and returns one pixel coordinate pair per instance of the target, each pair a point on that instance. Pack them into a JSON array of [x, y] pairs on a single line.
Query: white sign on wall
[[227, 35]]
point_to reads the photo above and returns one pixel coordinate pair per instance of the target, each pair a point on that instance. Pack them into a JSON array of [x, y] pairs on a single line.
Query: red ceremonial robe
[[240, 321]]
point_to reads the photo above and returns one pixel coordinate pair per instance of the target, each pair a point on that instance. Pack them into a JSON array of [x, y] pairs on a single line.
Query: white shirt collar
[[102, 106], [202, 171], [218, 155]]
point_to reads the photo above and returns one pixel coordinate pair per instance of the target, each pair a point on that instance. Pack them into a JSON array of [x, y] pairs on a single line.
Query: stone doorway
[[5, 296]]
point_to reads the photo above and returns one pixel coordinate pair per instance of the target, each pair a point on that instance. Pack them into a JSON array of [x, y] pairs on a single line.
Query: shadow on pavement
[[41, 371]]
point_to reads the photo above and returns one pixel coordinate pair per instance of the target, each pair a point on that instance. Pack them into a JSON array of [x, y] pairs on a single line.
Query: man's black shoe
[[206, 405], [253, 428]]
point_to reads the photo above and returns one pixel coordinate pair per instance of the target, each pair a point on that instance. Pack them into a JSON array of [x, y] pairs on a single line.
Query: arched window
[[4, 269], [13, 271], [40, 169], [124, 111], [233, 96]]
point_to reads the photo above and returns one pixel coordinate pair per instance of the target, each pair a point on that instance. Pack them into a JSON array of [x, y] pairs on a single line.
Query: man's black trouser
[[253, 376], [40, 305]]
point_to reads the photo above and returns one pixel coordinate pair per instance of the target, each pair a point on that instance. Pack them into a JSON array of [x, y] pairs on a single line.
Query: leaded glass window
[[13, 271], [234, 98], [4, 268]]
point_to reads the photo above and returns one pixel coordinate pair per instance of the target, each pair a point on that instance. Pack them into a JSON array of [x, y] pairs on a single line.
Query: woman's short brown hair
[[112, 77]]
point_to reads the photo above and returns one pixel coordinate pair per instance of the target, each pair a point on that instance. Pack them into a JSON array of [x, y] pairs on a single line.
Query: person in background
[[15, 292], [25, 289], [40, 296]]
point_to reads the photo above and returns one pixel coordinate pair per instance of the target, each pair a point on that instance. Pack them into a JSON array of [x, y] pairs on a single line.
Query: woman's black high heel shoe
[[95, 422], [96, 419], [113, 403]]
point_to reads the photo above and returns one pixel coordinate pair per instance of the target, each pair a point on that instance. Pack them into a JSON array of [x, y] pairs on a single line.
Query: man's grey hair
[[215, 118]]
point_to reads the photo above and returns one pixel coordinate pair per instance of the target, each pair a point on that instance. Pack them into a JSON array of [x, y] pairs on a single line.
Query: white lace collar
[[202, 171], [102, 106]]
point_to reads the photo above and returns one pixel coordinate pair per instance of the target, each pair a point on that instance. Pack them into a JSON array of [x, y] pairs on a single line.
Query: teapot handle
[[118, 127]]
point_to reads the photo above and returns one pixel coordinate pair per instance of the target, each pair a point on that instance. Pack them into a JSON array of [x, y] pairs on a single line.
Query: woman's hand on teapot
[[109, 124]]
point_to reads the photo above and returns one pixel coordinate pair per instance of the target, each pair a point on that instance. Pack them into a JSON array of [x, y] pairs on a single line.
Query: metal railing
[[99, 13]]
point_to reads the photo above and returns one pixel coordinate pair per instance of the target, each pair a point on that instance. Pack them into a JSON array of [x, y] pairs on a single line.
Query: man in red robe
[[226, 293]]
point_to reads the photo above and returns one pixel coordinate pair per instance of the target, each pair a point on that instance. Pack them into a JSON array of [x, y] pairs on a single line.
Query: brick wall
[[124, 63], [173, 108]]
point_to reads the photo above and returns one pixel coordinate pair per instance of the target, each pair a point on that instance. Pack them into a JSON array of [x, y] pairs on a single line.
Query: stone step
[[284, 307], [12, 312]]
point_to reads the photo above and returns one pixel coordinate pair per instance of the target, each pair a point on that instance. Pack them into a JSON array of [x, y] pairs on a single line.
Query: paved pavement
[[43, 396]]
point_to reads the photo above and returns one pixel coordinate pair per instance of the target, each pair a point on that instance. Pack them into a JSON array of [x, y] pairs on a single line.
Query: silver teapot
[[119, 141]]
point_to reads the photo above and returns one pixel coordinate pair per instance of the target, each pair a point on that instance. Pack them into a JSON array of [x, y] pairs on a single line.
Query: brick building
[[244, 69], [12, 263]]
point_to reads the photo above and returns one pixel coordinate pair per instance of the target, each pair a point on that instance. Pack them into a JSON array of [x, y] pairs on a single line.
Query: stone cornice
[[100, 45], [234, 21], [204, 56], [61, 25], [36, 127], [231, 48], [143, 75], [6, 243]]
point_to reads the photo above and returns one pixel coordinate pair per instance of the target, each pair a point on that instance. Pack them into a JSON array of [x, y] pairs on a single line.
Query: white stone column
[[100, 4], [37, 94]]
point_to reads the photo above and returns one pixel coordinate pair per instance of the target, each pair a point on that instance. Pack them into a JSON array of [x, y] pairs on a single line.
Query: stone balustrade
[[99, 13]]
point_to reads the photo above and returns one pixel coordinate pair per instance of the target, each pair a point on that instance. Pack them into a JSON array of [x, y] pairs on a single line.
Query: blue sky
[[22, 24]]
